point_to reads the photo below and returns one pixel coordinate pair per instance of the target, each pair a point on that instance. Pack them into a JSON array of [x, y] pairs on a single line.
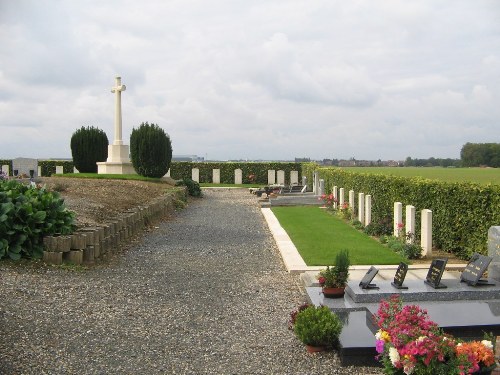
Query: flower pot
[[315, 349], [333, 292]]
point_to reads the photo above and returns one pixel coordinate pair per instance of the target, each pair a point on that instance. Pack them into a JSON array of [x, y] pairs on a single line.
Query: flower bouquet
[[408, 342]]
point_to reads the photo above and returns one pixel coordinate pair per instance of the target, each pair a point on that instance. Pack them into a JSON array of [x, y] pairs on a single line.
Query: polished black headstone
[[435, 273], [475, 269], [400, 275], [367, 279]]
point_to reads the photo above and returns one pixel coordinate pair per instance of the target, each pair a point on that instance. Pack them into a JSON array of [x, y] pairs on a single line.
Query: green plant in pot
[[334, 279], [317, 327]]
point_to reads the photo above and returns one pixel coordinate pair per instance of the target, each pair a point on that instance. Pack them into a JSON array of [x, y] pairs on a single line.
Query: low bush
[[193, 187], [317, 326], [27, 214], [380, 227]]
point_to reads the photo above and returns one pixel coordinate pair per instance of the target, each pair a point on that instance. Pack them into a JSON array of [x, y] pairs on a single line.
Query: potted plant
[[317, 327], [334, 279]]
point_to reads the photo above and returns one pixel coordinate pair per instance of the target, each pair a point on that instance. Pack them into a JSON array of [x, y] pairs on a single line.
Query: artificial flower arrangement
[[408, 342]]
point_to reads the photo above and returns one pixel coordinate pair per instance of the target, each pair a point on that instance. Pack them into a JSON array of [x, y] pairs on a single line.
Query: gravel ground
[[204, 293]]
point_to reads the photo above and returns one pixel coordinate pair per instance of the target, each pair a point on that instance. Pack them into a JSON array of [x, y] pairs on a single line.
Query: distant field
[[479, 175]]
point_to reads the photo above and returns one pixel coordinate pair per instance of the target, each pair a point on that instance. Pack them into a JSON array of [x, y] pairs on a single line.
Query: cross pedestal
[[118, 161]]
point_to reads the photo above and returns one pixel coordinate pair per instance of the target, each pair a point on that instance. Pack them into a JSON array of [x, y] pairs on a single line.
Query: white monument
[[118, 161]]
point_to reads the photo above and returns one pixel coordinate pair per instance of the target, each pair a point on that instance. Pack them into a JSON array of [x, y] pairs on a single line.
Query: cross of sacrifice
[[117, 90]]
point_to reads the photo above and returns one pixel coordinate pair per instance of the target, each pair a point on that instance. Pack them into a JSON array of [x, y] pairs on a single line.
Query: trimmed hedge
[[181, 170], [49, 166], [462, 213]]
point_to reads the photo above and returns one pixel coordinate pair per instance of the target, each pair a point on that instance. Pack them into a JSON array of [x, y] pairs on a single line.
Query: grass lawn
[[318, 236], [477, 175], [109, 176]]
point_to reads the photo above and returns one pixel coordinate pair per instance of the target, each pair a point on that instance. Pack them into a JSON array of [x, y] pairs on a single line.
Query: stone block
[[216, 176], [52, 257], [78, 241], [73, 256], [88, 255]]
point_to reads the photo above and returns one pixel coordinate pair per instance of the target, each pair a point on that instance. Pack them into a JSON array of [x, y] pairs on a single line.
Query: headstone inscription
[[475, 269], [367, 279], [400, 275], [435, 273]]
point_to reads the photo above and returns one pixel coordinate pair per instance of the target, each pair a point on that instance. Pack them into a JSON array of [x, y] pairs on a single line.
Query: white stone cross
[[117, 90]]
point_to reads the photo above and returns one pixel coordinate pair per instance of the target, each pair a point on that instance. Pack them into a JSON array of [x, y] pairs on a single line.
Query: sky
[[260, 79]]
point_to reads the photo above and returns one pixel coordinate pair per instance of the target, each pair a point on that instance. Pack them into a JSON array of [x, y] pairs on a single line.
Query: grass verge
[[319, 236], [206, 184], [109, 176]]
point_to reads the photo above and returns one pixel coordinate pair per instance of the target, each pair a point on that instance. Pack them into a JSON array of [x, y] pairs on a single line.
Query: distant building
[[191, 158]]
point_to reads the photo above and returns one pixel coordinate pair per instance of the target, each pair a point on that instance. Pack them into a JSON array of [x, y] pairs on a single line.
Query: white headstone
[[335, 197], [59, 169], [294, 177], [494, 252], [195, 174], [398, 217], [281, 177], [316, 182], [368, 209], [168, 173], [341, 196], [426, 233], [361, 208], [5, 169], [216, 176], [238, 176], [321, 189], [304, 180], [271, 177], [39, 171], [75, 170], [351, 201], [410, 223]]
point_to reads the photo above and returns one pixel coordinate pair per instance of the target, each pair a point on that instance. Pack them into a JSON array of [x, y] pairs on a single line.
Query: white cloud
[[237, 79]]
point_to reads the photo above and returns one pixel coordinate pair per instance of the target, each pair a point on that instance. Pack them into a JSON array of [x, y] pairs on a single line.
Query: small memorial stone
[[400, 275], [475, 269], [435, 273], [365, 282]]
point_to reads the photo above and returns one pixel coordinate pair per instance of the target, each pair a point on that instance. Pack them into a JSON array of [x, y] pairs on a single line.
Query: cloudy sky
[[260, 79]]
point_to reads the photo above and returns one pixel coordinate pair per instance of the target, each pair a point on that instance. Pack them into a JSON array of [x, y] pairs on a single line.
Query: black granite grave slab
[[420, 291], [357, 342], [435, 273], [475, 269]]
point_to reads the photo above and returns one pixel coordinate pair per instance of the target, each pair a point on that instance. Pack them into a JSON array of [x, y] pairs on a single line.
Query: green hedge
[[49, 166], [181, 170], [462, 213]]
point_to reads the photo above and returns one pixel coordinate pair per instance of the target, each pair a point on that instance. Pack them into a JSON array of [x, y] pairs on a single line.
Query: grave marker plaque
[[435, 273], [365, 282], [400, 275], [475, 269]]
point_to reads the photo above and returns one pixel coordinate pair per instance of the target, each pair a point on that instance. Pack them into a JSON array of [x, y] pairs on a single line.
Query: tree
[[89, 145], [150, 150], [478, 154]]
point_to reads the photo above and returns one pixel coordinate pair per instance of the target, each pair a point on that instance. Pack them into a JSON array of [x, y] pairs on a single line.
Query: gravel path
[[204, 293]]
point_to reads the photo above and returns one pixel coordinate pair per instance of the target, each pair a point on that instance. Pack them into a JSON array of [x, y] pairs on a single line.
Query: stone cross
[[117, 90]]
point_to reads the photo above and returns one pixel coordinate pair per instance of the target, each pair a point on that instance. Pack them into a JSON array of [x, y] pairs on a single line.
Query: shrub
[[380, 227], [317, 326], [193, 187], [150, 150], [27, 214], [357, 224], [88, 146]]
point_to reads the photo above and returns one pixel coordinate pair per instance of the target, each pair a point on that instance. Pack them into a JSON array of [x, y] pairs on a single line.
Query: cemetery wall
[[462, 212], [179, 170]]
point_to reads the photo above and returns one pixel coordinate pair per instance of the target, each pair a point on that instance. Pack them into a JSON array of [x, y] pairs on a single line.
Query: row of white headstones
[[364, 214], [273, 176]]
